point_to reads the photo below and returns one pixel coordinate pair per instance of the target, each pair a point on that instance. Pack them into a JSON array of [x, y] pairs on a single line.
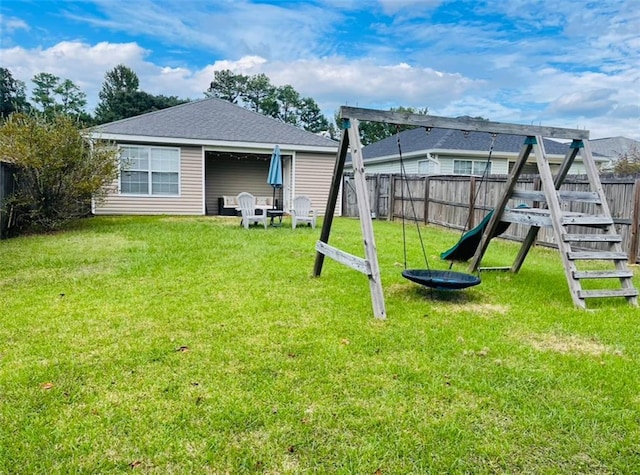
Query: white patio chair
[[302, 212], [247, 205]]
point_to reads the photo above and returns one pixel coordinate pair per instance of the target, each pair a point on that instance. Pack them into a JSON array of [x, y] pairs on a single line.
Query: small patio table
[[275, 213]]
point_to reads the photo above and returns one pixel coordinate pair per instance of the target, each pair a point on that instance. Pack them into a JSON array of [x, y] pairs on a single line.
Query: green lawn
[[191, 345]]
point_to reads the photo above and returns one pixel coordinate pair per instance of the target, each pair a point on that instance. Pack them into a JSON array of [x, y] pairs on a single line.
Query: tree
[[43, 94], [119, 79], [371, 132], [119, 87], [289, 100], [258, 94], [12, 94], [628, 162], [72, 99], [54, 96], [120, 97], [59, 170], [227, 86], [311, 117]]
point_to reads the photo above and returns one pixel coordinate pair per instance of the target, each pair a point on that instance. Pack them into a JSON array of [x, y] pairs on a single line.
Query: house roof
[[612, 147], [214, 119], [418, 140]]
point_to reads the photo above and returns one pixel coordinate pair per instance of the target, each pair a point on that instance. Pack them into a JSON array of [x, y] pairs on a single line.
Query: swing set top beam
[[462, 123]]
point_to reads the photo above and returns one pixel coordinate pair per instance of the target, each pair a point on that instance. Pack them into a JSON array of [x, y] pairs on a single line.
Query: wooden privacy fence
[[445, 200], [7, 184]]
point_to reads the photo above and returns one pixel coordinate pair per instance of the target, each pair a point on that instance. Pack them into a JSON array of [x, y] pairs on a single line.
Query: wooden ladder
[[552, 213]]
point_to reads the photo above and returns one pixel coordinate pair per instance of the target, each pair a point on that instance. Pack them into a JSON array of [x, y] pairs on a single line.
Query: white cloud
[[573, 65], [11, 24], [236, 27], [84, 64]]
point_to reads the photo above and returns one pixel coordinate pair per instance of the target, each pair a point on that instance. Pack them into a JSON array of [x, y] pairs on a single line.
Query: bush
[[59, 170], [628, 162]]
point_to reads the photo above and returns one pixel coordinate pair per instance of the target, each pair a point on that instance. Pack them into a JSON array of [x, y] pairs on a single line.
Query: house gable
[[213, 120], [445, 146]]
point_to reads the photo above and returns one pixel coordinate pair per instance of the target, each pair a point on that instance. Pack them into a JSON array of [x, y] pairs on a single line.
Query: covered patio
[[230, 173]]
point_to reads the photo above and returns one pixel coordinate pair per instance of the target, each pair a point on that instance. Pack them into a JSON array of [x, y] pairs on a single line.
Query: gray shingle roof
[[214, 119], [613, 146], [418, 139]]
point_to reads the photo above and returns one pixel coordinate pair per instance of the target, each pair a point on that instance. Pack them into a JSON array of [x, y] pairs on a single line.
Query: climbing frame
[[550, 196], [597, 227]]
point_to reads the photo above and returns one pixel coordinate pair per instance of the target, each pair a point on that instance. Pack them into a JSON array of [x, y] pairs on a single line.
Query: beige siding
[[230, 176], [499, 166], [314, 173], [188, 202], [384, 167]]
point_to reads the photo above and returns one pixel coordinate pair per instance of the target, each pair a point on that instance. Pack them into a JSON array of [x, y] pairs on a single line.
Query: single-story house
[[613, 147], [184, 159], [455, 152]]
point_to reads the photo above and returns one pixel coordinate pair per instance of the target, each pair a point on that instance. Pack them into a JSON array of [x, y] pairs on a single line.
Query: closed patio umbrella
[[275, 172]]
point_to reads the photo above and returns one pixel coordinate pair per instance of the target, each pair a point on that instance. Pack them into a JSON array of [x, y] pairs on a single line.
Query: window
[[149, 170], [471, 167], [428, 167]]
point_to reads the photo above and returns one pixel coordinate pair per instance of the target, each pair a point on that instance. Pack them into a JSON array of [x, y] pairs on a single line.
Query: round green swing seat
[[441, 279]]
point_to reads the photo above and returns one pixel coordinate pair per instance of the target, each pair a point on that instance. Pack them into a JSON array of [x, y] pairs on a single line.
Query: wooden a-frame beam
[[461, 123], [330, 211]]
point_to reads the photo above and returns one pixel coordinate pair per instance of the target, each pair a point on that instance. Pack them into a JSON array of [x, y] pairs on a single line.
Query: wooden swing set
[[550, 213]]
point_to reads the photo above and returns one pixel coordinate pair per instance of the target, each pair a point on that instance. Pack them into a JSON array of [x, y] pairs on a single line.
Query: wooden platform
[[596, 228]]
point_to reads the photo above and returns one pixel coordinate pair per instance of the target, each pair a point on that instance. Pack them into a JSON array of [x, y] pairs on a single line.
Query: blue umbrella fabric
[[275, 172]]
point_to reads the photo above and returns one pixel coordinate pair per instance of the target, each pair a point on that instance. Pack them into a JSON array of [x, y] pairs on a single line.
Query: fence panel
[[7, 184], [445, 200]]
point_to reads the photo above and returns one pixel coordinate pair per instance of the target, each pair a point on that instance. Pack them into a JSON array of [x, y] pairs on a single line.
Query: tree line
[[121, 97]]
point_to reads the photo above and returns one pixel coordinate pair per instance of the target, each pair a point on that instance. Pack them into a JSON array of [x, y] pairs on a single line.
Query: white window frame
[[150, 170], [474, 163], [430, 163]]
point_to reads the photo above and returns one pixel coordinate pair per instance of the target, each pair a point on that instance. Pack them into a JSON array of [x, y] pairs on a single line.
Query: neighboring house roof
[[613, 147], [213, 120], [418, 140]]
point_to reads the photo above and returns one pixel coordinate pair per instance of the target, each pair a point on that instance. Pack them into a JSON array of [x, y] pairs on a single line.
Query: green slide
[[466, 247]]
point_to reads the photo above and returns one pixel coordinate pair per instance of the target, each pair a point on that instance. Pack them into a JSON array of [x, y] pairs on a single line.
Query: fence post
[[472, 203], [392, 195], [427, 180], [376, 195], [635, 223]]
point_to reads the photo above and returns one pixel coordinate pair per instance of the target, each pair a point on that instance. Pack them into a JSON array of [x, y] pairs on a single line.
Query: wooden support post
[[371, 256], [532, 234], [333, 199], [499, 209], [635, 224], [553, 204]]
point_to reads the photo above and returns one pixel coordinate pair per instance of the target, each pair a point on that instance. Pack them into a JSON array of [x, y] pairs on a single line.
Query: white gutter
[[215, 144]]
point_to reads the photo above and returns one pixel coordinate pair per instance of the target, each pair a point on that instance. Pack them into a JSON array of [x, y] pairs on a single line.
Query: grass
[[190, 345]]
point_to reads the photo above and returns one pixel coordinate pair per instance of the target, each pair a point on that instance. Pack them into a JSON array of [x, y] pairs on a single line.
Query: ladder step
[[584, 196], [586, 220], [597, 255], [592, 238], [602, 274], [584, 294]]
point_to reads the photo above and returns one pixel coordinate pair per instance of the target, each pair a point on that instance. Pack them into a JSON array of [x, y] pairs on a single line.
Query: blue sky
[[566, 63]]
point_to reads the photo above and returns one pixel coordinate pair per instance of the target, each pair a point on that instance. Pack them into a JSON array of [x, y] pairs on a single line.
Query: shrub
[[59, 169], [628, 162]]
